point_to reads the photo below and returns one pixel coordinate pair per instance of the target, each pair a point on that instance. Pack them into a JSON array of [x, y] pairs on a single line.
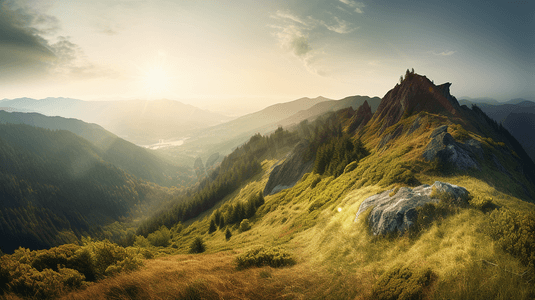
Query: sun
[[156, 80]]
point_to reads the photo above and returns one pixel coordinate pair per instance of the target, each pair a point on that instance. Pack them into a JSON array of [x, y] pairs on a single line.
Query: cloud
[[286, 15], [341, 26], [357, 6], [22, 48], [444, 53], [295, 33], [72, 62], [26, 49]]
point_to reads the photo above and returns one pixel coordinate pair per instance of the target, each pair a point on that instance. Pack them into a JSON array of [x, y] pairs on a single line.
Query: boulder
[[397, 213], [444, 147]]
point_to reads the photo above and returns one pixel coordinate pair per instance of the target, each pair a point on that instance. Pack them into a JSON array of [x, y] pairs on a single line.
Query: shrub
[[161, 237], [402, 283], [141, 242], [513, 232], [197, 246], [484, 204], [228, 234], [244, 225], [265, 256], [45, 274]]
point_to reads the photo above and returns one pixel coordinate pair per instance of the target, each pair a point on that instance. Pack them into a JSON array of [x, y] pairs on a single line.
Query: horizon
[[247, 56]]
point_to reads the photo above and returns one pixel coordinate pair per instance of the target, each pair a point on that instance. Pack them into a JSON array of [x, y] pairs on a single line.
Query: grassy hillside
[[305, 243]]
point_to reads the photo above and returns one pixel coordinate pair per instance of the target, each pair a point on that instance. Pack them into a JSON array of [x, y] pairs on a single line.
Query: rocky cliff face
[[286, 174], [414, 94], [362, 116]]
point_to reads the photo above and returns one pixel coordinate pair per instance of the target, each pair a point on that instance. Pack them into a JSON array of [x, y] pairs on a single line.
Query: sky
[[245, 55]]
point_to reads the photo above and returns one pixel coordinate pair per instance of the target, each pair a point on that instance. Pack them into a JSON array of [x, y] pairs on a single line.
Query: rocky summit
[[414, 94], [397, 210]]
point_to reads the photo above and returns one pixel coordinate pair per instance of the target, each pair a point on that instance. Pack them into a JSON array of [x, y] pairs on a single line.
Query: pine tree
[[228, 234], [217, 217], [221, 222], [212, 227], [250, 209]]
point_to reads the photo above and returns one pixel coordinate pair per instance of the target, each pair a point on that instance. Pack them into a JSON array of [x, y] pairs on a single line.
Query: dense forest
[[55, 187]]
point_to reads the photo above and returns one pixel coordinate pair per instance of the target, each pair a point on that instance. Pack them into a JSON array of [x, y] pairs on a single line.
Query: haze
[[244, 55]]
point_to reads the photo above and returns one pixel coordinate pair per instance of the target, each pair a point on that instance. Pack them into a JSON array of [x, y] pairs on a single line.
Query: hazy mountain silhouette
[[133, 159], [138, 121]]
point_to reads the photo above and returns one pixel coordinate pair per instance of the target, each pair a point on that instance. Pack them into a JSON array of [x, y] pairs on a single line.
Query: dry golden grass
[[214, 276]]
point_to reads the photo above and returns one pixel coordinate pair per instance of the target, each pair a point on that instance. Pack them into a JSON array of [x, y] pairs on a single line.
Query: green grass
[[315, 223]]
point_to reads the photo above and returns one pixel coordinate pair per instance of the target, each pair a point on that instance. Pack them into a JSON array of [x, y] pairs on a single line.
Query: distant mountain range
[[225, 137], [142, 122]]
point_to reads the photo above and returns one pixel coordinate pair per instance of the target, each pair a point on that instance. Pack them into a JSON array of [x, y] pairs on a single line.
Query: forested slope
[[56, 187], [133, 159]]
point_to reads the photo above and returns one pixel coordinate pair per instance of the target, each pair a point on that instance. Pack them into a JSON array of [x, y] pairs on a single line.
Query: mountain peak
[[362, 116], [413, 94]]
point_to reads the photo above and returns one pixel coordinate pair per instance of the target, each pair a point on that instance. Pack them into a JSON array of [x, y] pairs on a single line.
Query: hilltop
[[313, 237]]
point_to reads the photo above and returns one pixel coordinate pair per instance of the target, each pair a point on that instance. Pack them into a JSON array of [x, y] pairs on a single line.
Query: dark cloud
[[25, 52], [71, 60], [22, 48]]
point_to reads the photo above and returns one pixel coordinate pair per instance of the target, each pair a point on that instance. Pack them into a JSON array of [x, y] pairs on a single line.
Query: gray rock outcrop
[[287, 174], [444, 147], [398, 212]]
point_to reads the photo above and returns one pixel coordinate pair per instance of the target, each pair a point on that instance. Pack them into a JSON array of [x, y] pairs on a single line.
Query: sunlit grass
[[336, 256]]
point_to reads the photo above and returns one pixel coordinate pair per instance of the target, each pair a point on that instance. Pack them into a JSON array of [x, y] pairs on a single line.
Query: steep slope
[[125, 155], [56, 187], [518, 117]]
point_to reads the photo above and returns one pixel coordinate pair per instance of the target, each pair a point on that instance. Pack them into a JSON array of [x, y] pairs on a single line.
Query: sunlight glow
[[156, 81]]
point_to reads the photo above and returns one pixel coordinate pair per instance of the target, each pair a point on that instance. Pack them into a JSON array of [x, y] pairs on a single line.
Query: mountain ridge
[[131, 158], [142, 122]]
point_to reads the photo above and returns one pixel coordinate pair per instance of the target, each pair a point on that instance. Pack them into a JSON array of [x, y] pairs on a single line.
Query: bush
[[244, 225], [45, 274], [160, 238], [265, 256], [197, 246], [402, 283], [484, 204], [514, 233], [141, 242]]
